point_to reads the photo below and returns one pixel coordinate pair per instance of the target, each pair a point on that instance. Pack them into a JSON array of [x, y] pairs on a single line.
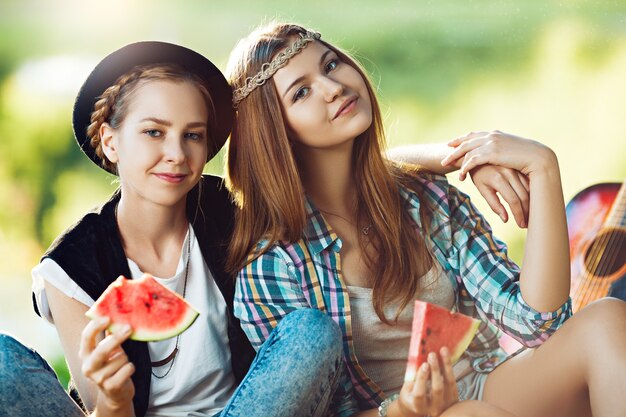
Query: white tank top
[[201, 380], [382, 350]]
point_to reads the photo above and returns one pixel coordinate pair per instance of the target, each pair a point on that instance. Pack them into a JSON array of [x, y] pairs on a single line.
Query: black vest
[[91, 253]]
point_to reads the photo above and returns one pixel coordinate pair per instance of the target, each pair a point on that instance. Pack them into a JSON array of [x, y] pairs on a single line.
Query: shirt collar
[[318, 233], [413, 205], [321, 236]]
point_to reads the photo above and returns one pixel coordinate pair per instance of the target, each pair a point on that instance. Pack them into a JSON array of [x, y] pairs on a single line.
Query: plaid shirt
[[306, 274]]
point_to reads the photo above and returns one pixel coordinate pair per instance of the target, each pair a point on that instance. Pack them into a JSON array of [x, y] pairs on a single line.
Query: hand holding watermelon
[[153, 311], [428, 389], [432, 391], [105, 364]]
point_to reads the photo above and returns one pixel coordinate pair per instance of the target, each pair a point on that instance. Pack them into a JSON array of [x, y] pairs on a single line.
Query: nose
[[331, 89], [173, 150]]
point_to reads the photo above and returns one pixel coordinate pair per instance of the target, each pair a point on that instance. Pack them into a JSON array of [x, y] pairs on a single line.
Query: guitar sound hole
[[607, 254]]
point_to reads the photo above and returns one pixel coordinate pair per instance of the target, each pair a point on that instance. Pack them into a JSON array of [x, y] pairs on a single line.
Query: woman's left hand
[[498, 148]]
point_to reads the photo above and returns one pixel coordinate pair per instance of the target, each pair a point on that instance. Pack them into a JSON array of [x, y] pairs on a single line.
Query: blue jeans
[[294, 374]]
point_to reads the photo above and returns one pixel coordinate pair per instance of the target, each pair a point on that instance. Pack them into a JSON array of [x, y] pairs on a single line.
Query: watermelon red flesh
[[153, 311], [433, 328]]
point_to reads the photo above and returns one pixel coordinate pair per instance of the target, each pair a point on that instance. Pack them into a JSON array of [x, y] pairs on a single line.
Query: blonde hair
[[263, 177], [112, 105]]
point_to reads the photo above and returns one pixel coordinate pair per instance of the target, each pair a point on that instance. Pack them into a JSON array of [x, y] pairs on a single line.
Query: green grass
[[60, 367]]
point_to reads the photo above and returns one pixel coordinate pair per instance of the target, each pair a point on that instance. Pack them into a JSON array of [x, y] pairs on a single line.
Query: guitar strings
[[589, 269], [584, 285], [615, 245], [594, 280], [588, 290], [615, 241], [594, 276], [589, 284]]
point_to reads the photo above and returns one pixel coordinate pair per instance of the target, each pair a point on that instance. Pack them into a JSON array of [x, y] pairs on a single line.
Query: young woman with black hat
[[153, 113]]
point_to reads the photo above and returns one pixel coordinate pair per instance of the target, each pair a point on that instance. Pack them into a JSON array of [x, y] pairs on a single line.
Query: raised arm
[[545, 272], [490, 180], [425, 155]]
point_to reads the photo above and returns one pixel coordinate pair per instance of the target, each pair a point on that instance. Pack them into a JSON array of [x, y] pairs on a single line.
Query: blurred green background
[[550, 70]]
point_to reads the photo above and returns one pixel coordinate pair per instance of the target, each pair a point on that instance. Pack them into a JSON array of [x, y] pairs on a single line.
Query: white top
[[201, 380], [382, 350]]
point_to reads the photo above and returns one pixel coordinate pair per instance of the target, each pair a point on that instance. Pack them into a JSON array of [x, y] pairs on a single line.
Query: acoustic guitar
[[596, 223]]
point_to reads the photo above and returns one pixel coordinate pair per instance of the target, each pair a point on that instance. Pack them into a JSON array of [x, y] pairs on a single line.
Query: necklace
[[170, 358], [365, 230]]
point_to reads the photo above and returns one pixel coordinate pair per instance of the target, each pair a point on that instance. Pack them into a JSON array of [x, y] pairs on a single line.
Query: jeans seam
[[334, 380], [244, 384]]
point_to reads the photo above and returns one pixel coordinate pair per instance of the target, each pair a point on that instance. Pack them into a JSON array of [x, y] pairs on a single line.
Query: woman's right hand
[[105, 364], [512, 185], [415, 400]]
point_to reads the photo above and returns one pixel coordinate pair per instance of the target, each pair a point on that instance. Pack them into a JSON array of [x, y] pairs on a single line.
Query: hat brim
[[124, 59]]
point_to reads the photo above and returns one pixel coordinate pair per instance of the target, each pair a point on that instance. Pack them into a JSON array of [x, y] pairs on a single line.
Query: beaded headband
[[269, 68]]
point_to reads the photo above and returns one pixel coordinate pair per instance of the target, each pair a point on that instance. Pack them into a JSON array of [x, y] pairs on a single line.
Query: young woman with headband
[[326, 222]]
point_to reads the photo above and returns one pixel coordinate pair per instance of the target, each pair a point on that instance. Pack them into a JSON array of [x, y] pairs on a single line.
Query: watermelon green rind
[[152, 314], [149, 336]]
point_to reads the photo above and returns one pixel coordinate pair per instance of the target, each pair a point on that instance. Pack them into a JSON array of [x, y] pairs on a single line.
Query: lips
[[171, 178], [346, 107]]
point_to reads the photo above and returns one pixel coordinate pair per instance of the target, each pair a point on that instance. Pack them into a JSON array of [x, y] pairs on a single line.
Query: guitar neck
[[617, 216]]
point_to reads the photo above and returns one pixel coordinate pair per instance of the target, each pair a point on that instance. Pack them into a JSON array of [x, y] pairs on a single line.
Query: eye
[[195, 136], [301, 93], [331, 65], [153, 133]]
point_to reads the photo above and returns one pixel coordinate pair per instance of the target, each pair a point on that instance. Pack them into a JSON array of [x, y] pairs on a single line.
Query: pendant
[[166, 360]]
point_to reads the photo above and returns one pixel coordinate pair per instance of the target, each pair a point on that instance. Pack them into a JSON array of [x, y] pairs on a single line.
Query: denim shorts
[[470, 383], [471, 386]]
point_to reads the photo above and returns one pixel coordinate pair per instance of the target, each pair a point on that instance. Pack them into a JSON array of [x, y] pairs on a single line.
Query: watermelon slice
[[153, 311], [433, 328]]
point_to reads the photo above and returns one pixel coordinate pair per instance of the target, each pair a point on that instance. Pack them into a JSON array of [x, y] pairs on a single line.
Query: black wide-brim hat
[[124, 59]]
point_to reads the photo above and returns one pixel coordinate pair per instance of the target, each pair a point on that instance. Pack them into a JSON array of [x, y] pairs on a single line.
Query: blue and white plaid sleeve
[[265, 292], [492, 279]]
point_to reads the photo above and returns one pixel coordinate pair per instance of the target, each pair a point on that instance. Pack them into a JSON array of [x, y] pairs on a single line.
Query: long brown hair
[[263, 177]]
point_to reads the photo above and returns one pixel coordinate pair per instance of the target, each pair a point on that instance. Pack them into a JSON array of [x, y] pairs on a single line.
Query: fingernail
[[126, 329], [424, 367], [444, 351], [103, 320]]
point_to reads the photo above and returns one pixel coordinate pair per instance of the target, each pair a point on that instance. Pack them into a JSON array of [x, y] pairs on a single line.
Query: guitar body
[[596, 225], [597, 237]]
